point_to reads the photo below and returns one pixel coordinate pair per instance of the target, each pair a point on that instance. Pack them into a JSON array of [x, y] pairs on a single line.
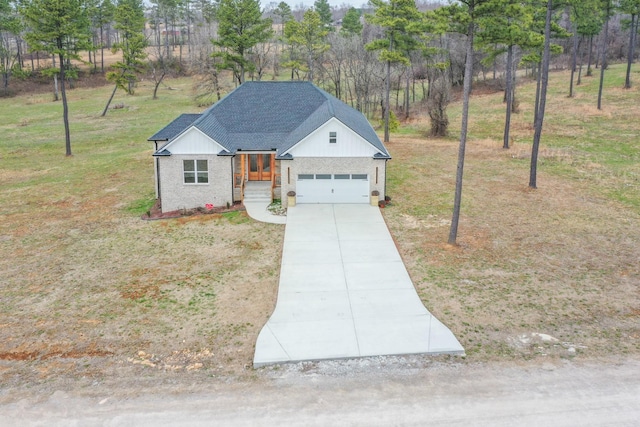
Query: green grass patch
[[141, 206]]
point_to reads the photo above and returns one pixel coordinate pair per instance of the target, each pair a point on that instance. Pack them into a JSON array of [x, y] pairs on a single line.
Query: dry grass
[[100, 285], [90, 293], [559, 260]]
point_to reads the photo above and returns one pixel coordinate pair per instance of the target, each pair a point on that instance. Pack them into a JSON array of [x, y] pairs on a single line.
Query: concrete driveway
[[344, 292]]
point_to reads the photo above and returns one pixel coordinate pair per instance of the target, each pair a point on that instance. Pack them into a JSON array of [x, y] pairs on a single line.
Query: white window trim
[[195, 171]]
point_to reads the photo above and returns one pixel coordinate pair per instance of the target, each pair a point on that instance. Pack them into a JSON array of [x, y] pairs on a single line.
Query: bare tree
[[335, 60], [437, 102]]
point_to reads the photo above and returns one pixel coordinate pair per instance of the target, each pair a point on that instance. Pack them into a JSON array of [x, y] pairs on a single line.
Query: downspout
[[157, 172], [385, 179], [233, 181]]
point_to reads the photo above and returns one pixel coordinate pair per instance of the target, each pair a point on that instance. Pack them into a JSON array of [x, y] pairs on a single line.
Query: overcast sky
[[308, 3]]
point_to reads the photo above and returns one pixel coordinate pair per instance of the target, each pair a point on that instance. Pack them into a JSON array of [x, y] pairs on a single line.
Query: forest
[[417, 48]]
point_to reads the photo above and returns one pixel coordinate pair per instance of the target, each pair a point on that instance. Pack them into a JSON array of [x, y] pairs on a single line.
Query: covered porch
[[259, 168]]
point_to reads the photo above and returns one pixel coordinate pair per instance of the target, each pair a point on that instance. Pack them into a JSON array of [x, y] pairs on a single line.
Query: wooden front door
[[260, 166]]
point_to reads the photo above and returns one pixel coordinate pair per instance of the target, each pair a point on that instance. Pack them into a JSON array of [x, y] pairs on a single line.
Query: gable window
[[195, 171], [333, 137]]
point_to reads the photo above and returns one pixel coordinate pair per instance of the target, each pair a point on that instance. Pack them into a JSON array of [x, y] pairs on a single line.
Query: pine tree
[[463, 17], [130, 22], [102, 18], [283, 12], [240, 28], [401, 23], [632, 8], [324, 10], [310, 35], [506, 24], [62, 28], [608, 8], [10, 25], [351, 24]]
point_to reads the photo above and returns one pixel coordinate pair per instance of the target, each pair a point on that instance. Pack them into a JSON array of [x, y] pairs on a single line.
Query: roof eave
[[162, 153]]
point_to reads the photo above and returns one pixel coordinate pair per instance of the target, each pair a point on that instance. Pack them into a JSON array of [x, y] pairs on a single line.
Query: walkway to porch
[[257, 197]]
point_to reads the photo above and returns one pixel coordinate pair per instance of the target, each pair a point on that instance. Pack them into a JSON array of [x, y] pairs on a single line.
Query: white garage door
[[332, 188]]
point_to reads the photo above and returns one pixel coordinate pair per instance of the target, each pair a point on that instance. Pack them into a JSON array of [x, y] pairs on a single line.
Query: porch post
[[242, 162], [272, 168]]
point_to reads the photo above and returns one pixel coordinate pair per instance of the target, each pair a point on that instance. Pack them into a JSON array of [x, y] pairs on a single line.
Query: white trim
[[217, 148], [327, 188], [315, 132], [195, 171]]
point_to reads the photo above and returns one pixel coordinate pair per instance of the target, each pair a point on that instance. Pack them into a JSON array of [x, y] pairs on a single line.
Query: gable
[[193, 141], [272, 116], [348, 143], [174, 128]]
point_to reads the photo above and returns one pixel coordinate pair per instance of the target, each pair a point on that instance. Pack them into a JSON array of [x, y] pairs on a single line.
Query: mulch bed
[[156, 211]]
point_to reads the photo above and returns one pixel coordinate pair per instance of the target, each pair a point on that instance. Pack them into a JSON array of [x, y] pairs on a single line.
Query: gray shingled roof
[[174, 128], [271, 116]]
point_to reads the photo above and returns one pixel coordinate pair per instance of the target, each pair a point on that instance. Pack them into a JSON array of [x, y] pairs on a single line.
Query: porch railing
[[238, 182], [275, 182]]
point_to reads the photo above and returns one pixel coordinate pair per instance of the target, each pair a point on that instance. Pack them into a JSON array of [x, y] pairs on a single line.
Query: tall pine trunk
[[509, 96], [603, 64], [536, 108], [65, 107], [56, 93], [574, 59], [407, 98], [387, 105], [581, 44], [468, 76], [106, 107], [544, 80], [627, 81], [589, 72]]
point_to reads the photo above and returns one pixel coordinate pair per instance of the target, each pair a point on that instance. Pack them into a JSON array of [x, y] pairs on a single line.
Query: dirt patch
[[45, 351]]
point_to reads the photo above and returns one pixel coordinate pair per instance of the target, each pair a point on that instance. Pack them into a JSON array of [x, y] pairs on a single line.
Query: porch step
[[257, 192]]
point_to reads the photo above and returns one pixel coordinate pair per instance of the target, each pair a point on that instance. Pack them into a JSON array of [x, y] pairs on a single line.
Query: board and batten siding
[[193, 141], [348, 143]]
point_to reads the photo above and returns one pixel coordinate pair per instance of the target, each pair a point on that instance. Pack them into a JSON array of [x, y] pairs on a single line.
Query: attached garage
[[332, 188]]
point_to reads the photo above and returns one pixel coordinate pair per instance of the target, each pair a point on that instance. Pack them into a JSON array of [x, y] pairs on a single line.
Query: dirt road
[[366, 392]]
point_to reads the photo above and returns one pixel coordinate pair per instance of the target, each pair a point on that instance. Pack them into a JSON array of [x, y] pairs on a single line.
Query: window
[[305, 176], [195, 171], [333, 137], [342, 176], [323, 176], [359, 176]]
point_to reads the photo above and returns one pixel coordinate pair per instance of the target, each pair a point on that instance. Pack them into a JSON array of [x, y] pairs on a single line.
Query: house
[[277, 136]]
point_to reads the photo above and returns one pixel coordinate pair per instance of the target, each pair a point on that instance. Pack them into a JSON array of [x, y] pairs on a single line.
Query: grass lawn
[[88, 291], [562, 260]]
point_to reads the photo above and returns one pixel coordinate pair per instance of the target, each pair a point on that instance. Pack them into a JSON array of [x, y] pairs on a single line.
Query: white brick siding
[[175, 194]]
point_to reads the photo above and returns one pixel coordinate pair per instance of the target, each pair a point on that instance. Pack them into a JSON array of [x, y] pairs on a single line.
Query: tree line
[[382, 59]]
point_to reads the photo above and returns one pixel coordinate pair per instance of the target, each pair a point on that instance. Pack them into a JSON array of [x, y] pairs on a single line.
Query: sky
[[309, 3]]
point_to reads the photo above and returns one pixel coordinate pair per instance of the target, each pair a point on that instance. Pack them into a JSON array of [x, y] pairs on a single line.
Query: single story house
[[278, 136]]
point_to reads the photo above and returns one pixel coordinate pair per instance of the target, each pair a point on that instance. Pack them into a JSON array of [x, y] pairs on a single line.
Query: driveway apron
[[344, 292]]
